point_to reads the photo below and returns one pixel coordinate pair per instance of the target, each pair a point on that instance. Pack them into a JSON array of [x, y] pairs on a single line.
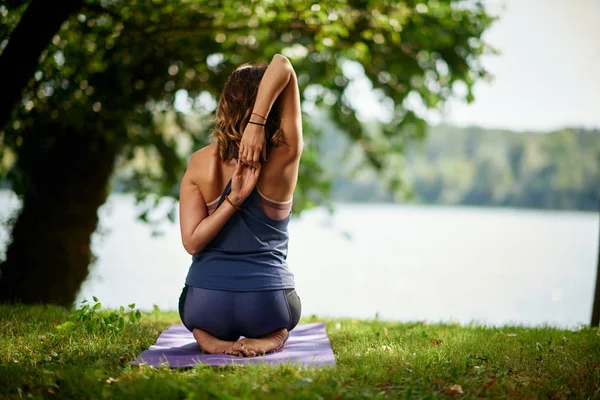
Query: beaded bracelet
[[238, 208]]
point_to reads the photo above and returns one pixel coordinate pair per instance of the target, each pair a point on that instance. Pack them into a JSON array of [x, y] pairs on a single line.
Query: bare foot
[[210, 344], [256, 347]]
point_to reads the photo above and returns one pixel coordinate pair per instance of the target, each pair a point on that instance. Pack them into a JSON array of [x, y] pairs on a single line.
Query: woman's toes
[[232, 352], [240, 348], [247, 352], [237, 346]]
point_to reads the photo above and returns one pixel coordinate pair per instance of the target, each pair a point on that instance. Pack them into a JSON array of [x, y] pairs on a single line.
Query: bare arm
[[291, 115], [198, 229], [280, 173], [274, 81]]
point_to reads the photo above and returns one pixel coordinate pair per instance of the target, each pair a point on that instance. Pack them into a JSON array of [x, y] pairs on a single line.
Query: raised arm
[[290, 113], [275, 79], [280, 173]]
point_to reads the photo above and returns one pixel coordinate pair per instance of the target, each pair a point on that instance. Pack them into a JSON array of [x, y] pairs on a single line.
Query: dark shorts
[[228, 315]]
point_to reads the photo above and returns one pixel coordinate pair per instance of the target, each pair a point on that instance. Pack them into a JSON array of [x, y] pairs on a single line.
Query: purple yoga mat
[[308, 344]]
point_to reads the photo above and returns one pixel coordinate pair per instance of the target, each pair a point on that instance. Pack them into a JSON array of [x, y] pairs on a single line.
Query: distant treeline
[[487, 167], [472, 166]]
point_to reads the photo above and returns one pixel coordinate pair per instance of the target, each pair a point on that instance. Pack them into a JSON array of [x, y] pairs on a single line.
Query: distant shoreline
[[337, 203]]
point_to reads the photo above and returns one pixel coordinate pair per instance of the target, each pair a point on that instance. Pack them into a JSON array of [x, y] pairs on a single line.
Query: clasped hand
[[243, 181], [248, 167], [252, 145]]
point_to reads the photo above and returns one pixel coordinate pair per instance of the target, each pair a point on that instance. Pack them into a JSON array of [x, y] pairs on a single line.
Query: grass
[[374, 359]]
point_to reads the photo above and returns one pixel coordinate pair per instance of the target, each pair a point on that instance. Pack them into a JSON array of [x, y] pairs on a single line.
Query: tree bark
[[596, 305], [68, 173], [39, 23]]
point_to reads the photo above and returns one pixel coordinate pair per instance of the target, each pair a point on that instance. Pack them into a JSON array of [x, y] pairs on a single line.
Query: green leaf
[[95, 298], [132, 306], [69, 325]]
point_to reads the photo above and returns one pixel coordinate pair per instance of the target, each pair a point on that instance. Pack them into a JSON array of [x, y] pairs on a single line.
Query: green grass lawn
[[374, 359]]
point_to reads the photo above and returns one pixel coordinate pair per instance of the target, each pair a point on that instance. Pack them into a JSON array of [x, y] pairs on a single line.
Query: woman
[[234, 215]]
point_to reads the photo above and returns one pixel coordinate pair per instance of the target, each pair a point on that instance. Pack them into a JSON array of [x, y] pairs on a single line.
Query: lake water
[[491, 266]]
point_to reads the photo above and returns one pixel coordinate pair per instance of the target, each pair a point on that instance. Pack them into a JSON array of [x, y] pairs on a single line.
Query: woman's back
[[212, 175]]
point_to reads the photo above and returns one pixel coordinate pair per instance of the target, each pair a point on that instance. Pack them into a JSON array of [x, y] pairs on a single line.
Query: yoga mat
[[307, 345]]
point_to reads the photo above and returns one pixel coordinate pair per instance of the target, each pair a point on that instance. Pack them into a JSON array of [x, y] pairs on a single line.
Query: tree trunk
[[596, 305], [19, 59], [68, 173]]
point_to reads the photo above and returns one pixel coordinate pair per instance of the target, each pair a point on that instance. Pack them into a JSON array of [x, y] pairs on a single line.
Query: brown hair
[[235, 109]]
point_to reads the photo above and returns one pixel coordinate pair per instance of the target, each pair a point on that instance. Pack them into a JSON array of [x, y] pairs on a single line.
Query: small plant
[[94, 318]]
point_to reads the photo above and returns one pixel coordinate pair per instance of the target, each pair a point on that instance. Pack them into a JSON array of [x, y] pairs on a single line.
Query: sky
[[547, 75]]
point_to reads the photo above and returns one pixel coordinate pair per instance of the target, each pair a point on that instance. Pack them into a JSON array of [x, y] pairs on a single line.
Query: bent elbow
[[190, 247], [281, 58], [189, 250], [283, 62]]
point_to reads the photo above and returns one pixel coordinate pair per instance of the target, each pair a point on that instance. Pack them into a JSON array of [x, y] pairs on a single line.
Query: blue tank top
[[249, 254]]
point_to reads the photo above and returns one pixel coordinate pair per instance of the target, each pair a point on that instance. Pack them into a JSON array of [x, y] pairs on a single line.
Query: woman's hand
[[252, 145], [242, 182]]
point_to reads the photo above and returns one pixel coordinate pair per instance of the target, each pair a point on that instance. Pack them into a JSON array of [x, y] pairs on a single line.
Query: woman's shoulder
[[202, 163], [204, 155]]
